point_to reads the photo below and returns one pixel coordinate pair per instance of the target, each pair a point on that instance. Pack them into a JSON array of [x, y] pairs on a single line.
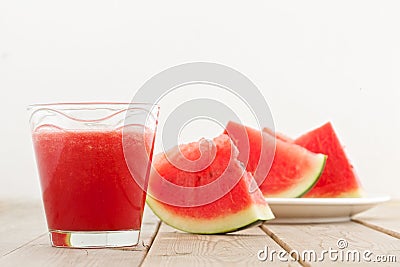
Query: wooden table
[[24, 241]]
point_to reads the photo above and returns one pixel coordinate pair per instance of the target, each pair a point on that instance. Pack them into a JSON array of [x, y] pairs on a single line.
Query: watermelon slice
[[294, 169], [338, 178], [217, 197]]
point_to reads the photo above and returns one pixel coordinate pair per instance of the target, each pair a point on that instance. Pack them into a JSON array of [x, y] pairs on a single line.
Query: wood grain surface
[[24, 241]]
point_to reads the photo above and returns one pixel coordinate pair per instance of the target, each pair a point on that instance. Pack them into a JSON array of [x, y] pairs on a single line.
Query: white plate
[[320, 210]]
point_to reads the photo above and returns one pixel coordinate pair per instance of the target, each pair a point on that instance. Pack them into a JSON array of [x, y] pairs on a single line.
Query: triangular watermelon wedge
[[201, 187], [289, 172], [339, 178]]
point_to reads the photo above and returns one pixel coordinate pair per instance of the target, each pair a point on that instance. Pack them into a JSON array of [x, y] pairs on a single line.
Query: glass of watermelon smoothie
[[93, 161]]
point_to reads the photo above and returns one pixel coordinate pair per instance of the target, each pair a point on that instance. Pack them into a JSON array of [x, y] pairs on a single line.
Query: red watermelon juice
[[86, 183]]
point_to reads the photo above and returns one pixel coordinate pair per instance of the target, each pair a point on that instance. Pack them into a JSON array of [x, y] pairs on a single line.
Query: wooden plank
[[175, 248], [384, 218], [319, 237], [40, 253], [21, 221]]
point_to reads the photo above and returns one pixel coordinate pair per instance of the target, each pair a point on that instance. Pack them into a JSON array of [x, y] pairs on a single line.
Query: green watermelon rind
[[354, 193], [317, 177], [300, 189], [253, 215]]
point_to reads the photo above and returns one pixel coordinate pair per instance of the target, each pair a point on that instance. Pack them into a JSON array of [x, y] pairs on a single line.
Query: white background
[[314, 61]]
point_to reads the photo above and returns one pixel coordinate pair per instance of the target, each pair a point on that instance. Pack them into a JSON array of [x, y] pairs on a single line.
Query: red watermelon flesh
[[338, 178], [290, 172], [218, 197], [60, 239], [279, 136]]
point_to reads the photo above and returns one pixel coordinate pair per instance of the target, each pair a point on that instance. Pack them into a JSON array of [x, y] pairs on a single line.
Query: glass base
[[94, 239]]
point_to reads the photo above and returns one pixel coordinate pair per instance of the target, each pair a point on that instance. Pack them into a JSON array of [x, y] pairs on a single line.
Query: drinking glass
[[93, 161]]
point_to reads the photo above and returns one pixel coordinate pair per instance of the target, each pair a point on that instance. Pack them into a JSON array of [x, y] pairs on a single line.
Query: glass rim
[[58, 104]]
